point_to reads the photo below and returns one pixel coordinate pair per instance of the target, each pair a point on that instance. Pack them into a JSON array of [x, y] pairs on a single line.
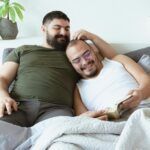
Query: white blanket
[[136, 133], [80, 133]]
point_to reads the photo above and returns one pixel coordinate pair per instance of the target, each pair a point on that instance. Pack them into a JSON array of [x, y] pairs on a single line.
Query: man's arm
[[143, 79], [7, 74], [79, 107], [105, 49], [81, 110]]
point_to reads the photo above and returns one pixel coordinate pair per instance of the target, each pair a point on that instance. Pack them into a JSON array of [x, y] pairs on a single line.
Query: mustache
[[62, 36], [83, 67]]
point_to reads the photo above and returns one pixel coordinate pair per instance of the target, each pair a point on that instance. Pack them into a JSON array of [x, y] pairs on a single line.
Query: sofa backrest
[[135, 55]]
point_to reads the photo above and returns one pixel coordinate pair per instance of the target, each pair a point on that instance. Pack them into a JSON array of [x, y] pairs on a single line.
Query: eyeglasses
[[86, 56]]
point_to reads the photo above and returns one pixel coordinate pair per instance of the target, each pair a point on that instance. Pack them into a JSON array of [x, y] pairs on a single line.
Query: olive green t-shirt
[[43, 74]]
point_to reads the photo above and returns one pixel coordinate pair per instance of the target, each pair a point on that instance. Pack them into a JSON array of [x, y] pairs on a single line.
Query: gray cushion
[[145, 62], [137, 54], [5, 53]]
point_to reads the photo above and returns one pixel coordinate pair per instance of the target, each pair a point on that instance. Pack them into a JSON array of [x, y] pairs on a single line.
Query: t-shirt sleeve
[[14, 56]]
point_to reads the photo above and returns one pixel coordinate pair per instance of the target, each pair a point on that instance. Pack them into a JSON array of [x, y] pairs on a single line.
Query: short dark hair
[[54, 15]]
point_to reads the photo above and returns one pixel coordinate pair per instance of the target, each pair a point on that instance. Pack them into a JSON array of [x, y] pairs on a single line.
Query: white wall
[[115, 20]]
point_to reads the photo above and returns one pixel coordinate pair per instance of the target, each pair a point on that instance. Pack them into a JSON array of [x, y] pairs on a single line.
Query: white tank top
[[112, 84]]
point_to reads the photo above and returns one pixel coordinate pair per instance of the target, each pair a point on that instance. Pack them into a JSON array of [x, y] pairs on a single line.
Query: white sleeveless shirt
[[112, 84]]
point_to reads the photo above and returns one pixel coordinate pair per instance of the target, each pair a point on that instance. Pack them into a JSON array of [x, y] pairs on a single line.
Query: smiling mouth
[[88, 66], [62, 38]]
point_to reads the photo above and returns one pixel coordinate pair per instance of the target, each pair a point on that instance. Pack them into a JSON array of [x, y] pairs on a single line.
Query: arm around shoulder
[[105, 49]]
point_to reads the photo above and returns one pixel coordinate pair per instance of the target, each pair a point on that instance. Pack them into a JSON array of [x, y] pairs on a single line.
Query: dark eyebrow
[[61, 26], [85, 52], [67, 26], [75, 58]]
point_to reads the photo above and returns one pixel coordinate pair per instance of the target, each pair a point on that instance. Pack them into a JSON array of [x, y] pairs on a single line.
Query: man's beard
[[58, 43]]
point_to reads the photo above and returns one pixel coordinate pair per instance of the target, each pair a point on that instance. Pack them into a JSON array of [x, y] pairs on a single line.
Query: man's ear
[[97, 52], [43, 28]]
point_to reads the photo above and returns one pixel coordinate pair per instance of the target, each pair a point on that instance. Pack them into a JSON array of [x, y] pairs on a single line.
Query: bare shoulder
[[9, 67], [10, 64], [129, 64], [120, 57]]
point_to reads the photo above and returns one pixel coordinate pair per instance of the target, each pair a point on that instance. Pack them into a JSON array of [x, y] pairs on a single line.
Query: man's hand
[[96, 114], [7, 105], [82, 35], [134, 101]]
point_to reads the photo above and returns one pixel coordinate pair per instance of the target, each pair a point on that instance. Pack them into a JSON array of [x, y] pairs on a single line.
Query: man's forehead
[[82, 45], [77, 50]]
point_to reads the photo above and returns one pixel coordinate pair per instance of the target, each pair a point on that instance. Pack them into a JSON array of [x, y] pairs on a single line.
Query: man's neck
[[46, 45]]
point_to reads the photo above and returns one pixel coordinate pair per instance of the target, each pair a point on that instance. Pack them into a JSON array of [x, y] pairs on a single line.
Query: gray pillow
[[5, 53], [137, 54], [145, 62]]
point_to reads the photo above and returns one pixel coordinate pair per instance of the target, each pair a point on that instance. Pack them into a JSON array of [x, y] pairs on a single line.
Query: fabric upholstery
[[145, 62], [137, 54], [5, 53]]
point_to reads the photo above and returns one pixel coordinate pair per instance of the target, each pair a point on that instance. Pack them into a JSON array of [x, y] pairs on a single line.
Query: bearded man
[[44, 79]]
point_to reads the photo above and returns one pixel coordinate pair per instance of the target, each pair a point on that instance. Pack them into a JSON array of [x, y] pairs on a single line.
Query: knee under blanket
[[79, 133]]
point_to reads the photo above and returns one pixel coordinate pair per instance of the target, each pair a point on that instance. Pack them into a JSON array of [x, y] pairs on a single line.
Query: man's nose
[[63, 31], [84, 61]]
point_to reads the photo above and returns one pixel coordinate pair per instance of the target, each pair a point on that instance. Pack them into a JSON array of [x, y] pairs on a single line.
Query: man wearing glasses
[[104, 80]]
